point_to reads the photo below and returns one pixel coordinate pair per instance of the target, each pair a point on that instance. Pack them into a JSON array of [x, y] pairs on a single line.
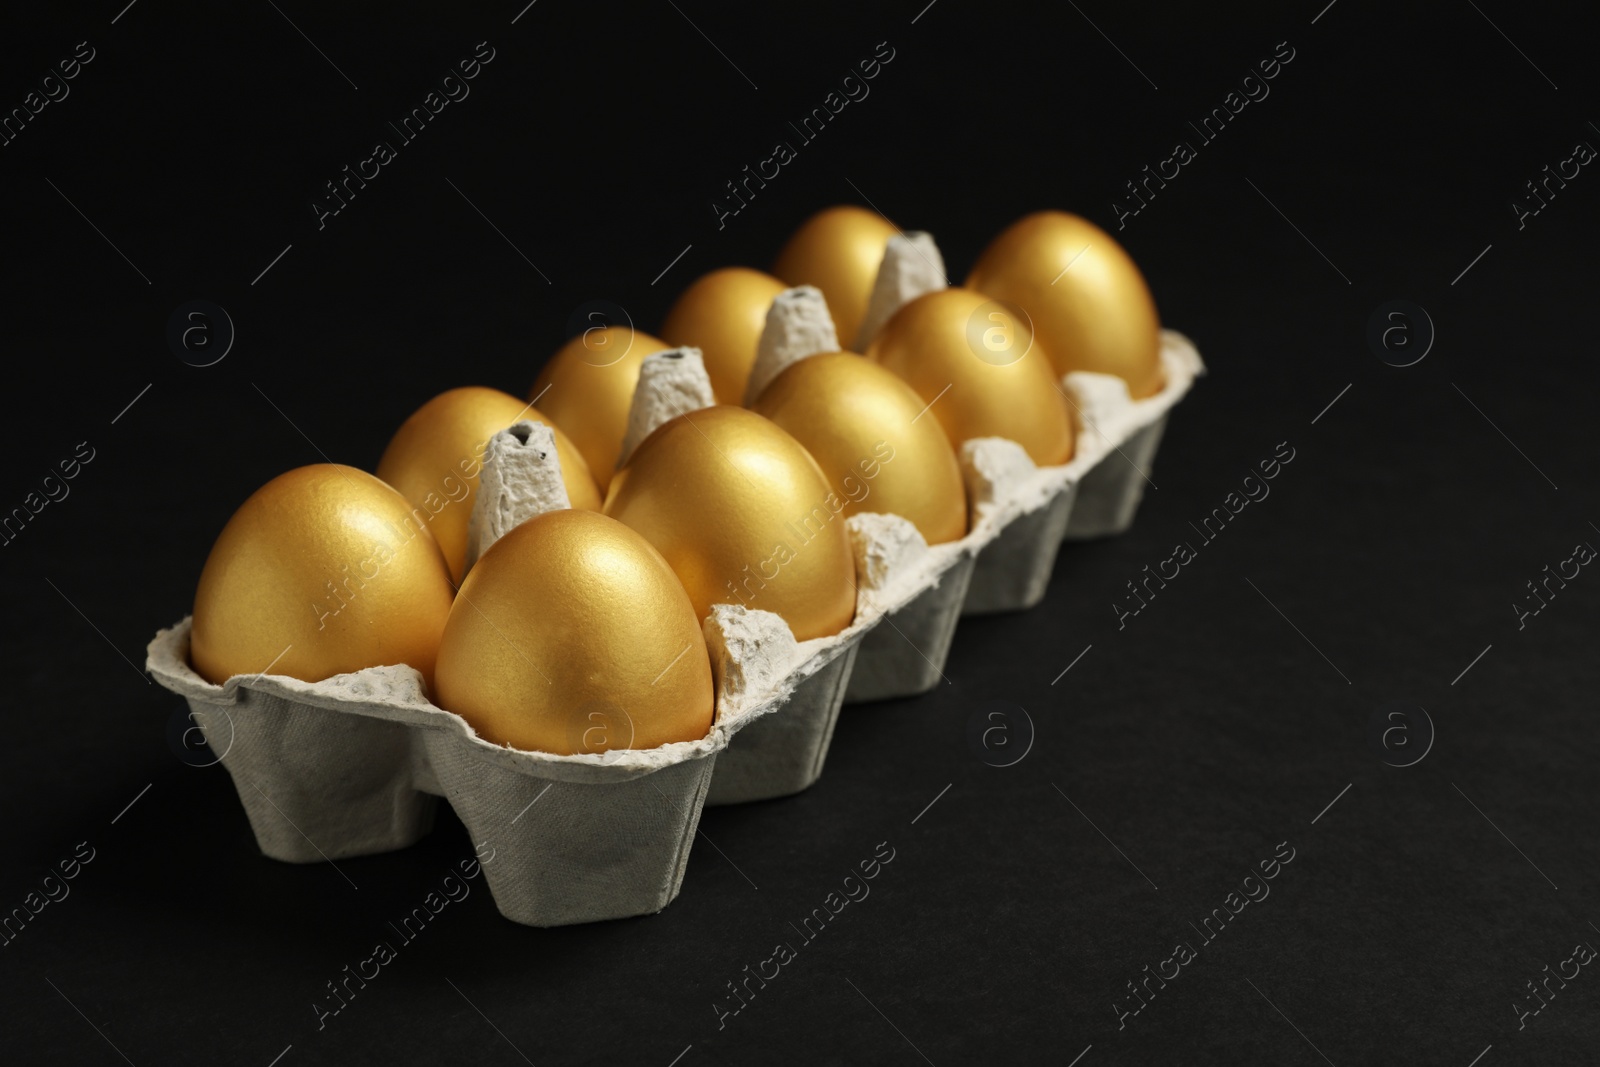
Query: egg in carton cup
[[1095, 494], [1089, 305], [793, 688]]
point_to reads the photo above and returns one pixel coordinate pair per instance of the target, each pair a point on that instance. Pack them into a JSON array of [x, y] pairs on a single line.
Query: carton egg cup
[[1020, 513], [1126, 434], [351, 766], [1095, 493]]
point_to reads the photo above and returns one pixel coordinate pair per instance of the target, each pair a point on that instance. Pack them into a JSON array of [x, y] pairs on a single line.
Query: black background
[[1197, 738]]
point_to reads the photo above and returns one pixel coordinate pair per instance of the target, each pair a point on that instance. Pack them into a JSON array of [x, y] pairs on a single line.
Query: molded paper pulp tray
[[800, 686], [906, 656], [345, 767], [1109, 494]]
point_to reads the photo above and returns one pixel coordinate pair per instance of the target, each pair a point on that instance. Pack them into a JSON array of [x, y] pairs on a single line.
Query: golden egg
[[865, 429], [324, 570], [435, 457], [587, 388], [572, 634], [975, 365], [722, 314], [744, 515], [1090, 306], [838, 250]]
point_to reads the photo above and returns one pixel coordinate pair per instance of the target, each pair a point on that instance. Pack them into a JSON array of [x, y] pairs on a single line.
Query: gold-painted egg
[[869, 432], [744, 515], [976, 366], [838, 250], [434, 459], [1089, 304], [571, 635], [722, 314], [587, 388], [322, 571]]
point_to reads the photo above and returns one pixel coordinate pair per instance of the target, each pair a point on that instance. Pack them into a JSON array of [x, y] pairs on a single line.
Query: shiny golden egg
[[838, 250], [865, 428], [722, 314], [743, 515], [976, 367], [571, 635], [587, 388], [1090, 307], [324, 570], [434, 459]]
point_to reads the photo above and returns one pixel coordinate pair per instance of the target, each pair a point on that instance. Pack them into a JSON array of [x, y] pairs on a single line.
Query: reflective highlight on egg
[[587, 388], [435, 458], [862, 425], [722, 314], [322, 571], [572, 635], [838, 250], [1089, 304], [977, 368], [743, 515]]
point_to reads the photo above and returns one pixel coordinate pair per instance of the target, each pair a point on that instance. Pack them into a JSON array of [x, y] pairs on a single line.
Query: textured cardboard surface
[[906, 654], [1123, 435], [1109, 495], [783, 753], [1012, 571]]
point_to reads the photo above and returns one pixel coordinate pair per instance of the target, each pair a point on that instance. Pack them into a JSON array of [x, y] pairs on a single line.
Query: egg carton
[[354, 765]]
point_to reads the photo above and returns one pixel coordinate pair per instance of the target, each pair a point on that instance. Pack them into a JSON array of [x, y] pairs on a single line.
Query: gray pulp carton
[[354, 765]]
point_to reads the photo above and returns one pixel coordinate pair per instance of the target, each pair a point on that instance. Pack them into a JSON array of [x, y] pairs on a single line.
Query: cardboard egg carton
[[354, 764]]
